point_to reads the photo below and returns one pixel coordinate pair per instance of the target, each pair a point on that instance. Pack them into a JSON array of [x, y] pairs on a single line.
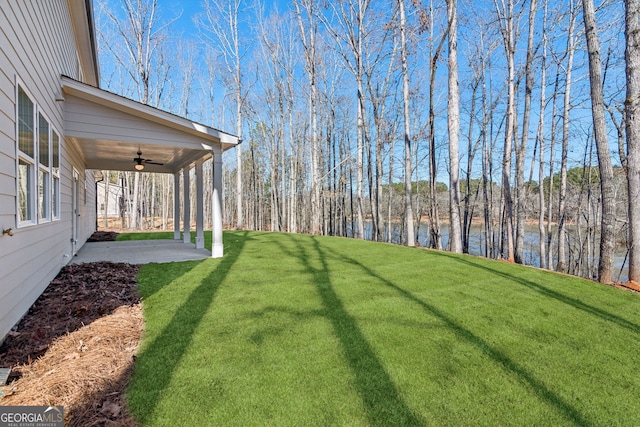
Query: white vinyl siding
[[38, 45]]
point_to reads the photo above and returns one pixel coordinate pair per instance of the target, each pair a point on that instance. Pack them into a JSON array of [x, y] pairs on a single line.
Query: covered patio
[[111, 132]]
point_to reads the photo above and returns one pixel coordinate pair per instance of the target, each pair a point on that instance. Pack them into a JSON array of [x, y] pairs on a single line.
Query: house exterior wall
[[37, 45]]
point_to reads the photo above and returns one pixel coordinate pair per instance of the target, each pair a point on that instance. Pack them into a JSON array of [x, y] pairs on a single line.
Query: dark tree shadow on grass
[[538, 387], [575, 303], [156, 365], [383, 403], [159, 278]]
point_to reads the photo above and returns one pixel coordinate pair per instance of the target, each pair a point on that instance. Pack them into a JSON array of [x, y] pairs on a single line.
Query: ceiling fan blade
[[140, 161]]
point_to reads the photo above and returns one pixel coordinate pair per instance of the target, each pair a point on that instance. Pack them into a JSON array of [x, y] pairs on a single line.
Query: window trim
[[50, 199], [46, 170], [55, 178], [31, 196]]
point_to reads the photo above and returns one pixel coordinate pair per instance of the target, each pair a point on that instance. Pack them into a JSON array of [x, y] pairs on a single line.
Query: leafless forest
[[504, 128]]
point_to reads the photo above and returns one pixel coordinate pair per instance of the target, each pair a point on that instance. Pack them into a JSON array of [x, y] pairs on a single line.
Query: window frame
[[32, 168], [55, 176], [44, 200], [42, 185]]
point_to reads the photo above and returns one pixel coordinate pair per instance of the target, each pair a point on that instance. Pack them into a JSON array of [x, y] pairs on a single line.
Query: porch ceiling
[[108, 130]]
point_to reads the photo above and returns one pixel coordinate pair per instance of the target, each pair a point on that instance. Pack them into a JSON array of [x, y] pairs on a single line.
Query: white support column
[[199, 206], [217, 248], [176, 206], [187, 207]]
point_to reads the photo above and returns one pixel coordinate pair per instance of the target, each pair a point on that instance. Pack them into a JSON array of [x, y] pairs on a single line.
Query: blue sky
[[190, 8]]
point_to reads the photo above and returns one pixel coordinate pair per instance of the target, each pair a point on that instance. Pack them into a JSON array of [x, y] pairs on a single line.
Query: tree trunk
[[467, 216], [541, 140], [239, 198], [562, 198], [508, 34], [632, 109], [453, 108], [220, 26], [552, 150], [135, 222], [435, 235], [607, 230], [315, 176], [407, 130], [522, 149], [107, 181]]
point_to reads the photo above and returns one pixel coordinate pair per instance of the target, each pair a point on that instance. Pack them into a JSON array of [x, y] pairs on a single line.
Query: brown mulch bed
[[103, 236], [77, 344]]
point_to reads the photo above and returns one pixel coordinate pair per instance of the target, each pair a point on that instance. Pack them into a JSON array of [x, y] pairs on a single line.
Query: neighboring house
[[56, 126], [109, 204]]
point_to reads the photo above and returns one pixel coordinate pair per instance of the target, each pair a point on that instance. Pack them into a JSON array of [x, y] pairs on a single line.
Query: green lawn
[[297, 330]]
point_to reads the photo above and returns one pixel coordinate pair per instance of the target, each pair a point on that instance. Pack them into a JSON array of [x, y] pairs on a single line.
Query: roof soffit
[[146, 112], [108, 130]]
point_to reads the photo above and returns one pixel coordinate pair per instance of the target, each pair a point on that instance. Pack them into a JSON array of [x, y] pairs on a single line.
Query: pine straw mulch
[[629, 286], [77, 344]]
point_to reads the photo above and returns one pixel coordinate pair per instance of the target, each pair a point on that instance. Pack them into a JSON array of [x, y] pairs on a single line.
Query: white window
[[26, 158], [38, 165], [44, 169], [55, 172]]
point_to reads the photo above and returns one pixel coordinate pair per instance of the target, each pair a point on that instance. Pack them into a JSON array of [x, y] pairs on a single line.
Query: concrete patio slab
[[139, 252]]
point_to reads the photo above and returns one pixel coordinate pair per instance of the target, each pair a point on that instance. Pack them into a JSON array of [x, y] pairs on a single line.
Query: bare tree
[[453, 106], [508, 30], [140, 38], [220, 29], [308, 36], [607, 189], [407, 129], [552, 148], [349, 28], [541, 138], [483, 44], [562, 216], [380, 85], [632, 110], [434, 55], [521, 188]]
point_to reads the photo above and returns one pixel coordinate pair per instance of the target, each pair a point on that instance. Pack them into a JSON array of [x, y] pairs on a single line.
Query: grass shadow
[[383, 403], [170, 272], [158, 361], [575, 303], [539, 388]]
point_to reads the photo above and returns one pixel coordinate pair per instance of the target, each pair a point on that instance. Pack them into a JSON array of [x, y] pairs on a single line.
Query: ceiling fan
[[140, 162]]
